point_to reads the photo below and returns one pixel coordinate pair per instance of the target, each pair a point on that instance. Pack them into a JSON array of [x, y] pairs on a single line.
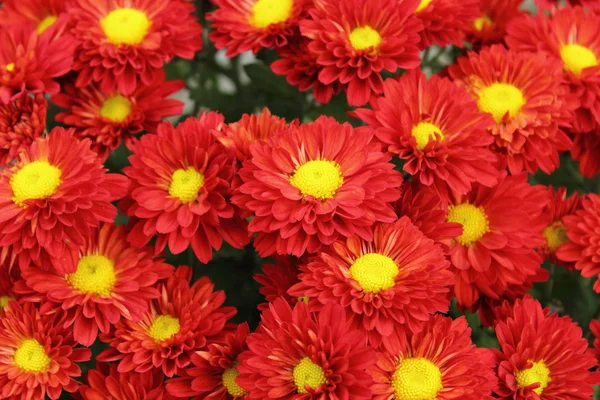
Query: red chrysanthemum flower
[[125, 43], [436, 128], [531, 106], [299, 355], [38, 357], [42, 14], [8, 277], [29, 63], [243, 25], [595, 328], [582, 246], [356, 40], [541, 357], [315, 183], [106, 383], [103, 281], [486, 306], [586, 147], [214, 371], [490, 25], [21, 122], [276, 280], [53, 196], [110, 118], [182, 181], [440, 362], [446, 21], [177, 324], [388, 285]]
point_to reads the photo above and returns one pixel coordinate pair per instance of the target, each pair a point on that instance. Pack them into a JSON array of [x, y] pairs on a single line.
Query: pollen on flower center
[[424, 131], [417, 379], [30, 356], [423, 4], [499, 99], [125, 26], [269, 12], [185, 184], [116, 108], [473, 220], [4, 300], [556, 235], [10, 67], [577, 58], [538, 373], [482, 22], [46, 23], [374, 272], [307, 373], [164, 327], [95, 274], [228, 378], [36, 180], [318, 178], [364, 37]]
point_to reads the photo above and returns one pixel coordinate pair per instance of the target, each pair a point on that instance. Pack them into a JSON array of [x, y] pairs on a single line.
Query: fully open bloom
[[38, 355], [125, 43], [108, 118], [356, 40], [177, 324], [541, 357], [54, 195], [494, 16], [437, 129], [297, 354], [312, 184], [440, 362], [276, 280], [446, 21], [42, 14]]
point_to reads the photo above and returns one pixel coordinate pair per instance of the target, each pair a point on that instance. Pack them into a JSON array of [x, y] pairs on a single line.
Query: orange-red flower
[[182, 181], [53, 196], [446, 21], [21, 122], [439, 362], [436, 128], [41, 14], [586, 148], [296, 354], [125, 43], [177, 324], [8, 277], [108, 118], [388, 285], [38, 356], [276, 280], [541, 356], [528, 101], [312, 184], [494, 16], [356, 40]]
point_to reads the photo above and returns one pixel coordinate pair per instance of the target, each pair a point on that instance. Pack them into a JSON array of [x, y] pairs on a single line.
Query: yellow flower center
[[577, 58], [116, 108], [539, 373], [185, 184], [482, 22], [303, 299], [364, 37], [374, 272], [228, 378], [164, 327], [499, 99], [36, 180], [46, 23], [423, 4], [556, 235], [307, 373], [95, 274], [424, 131], [10, 67], [4, 301], [417, 379], [474, 222], [318, 178], [125, 26], [269, 12], [30, 356]]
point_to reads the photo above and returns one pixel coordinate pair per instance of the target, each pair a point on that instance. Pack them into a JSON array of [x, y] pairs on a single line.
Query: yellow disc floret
[[116, 108], [36, 180], [185, 184], [425, 131], [164, 327], [232, 387], [269, 12], [125, 26], [30, 356], [423, 4], [307, 373], [577, 58], [4, 300], [10, 67], [364, 37], [538, 373], [482, 22], [95, 274], [499, 99], [318, 178], [417, 379], [473, 220], [556, 235], [46, 23], [374, 272]]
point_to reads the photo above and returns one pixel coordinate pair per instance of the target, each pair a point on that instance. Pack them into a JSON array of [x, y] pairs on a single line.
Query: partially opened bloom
[[525, 95], [125, 43], [446, 21], [494, 16], [357, 40], [276, 279], [388, 285], [42, 14], [440, 362], [586, 147], [436, 128], [182, 181], [53, 197], [38, 356], [312, 184], [296, 354], [177, 324]]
